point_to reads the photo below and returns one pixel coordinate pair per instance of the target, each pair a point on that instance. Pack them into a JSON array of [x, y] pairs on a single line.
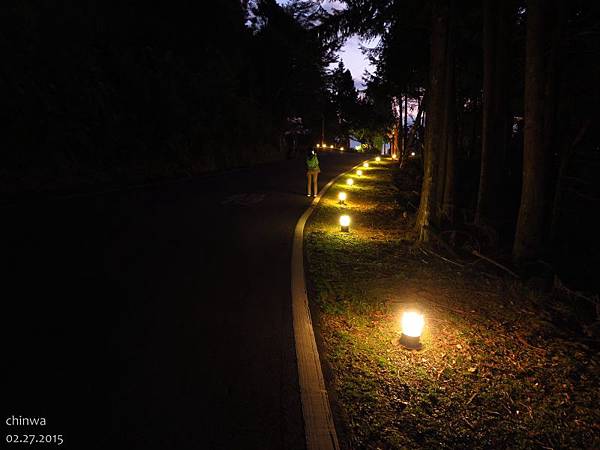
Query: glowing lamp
[[359, 172], [342, 148], [412, 154], [331, 146], [318, 145], [378, 159], [366, 164], [412, 327], [345, 223], [357, 147], [349, 181], [342, 197]]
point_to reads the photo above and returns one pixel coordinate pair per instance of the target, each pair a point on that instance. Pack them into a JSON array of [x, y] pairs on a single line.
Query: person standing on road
[[312, 173]]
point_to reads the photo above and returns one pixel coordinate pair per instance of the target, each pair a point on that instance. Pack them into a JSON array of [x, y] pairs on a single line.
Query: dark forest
[[96, 94]]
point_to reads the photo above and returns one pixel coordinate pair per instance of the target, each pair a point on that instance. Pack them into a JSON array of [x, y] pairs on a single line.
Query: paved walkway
[[158, 318]]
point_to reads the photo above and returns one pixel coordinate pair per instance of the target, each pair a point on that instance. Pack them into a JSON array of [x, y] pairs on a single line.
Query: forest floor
[[501, 365]]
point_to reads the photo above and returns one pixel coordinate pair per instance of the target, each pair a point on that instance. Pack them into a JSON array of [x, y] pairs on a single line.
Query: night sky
[[351, 53]]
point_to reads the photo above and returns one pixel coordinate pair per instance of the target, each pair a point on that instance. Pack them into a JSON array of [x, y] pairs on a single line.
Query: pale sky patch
[[350, 53], [354, 59]]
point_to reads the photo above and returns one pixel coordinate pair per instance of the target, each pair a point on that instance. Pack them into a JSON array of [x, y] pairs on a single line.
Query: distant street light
[[413, 154], [345, 223], [349, 181], [378, 159], [342, 149], [365, 165], [318, 145], [342, 197], [359, 172], [331, 146]]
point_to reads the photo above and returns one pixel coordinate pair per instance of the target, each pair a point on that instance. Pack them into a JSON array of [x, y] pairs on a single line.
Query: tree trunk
[[395, 142], [530, 223], [566, 155], [410, 144], [445, 174], [447, 212], [496, 111], [556, 150], [434, 139], [405, 128], [399, 137]]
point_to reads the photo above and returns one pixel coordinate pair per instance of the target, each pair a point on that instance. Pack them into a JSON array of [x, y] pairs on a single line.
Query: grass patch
[[495, 371]]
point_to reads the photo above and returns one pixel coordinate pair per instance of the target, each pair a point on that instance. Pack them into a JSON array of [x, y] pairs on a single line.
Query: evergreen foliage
[[115, 92]]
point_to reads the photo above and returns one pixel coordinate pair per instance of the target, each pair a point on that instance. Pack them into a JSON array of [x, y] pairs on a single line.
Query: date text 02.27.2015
[[34, 439]]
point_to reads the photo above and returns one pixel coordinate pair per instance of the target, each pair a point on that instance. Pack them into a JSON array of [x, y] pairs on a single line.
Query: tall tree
[[395, 142], [291, 59], [496, 124], [435, 138], [530, 223], [415, 128], [446, 197], [345, 101]]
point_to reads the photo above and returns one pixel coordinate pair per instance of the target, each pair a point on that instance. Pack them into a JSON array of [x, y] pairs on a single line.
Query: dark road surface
[[157, 318]]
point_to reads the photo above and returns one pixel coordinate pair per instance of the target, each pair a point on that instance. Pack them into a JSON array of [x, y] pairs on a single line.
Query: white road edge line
[[319, 428]]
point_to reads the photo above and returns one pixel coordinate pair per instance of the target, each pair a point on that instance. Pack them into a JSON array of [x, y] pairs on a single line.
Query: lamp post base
[[345, 229], [412, 342]]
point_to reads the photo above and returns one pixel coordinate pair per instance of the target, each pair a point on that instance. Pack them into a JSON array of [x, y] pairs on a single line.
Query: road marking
[[243, 199], [319, 428]]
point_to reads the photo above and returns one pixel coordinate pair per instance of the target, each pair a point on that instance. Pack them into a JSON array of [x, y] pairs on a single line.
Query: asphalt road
[[157, 318]]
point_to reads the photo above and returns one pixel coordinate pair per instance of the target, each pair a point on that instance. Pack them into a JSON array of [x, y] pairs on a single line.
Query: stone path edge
[[319, 428]]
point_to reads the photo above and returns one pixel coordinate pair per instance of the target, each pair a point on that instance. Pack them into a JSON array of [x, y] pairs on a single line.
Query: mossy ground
[[496, 370]]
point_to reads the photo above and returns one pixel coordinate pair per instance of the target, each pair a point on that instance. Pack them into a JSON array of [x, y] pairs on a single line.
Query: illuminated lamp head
[[412, 327], [345, 223]]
